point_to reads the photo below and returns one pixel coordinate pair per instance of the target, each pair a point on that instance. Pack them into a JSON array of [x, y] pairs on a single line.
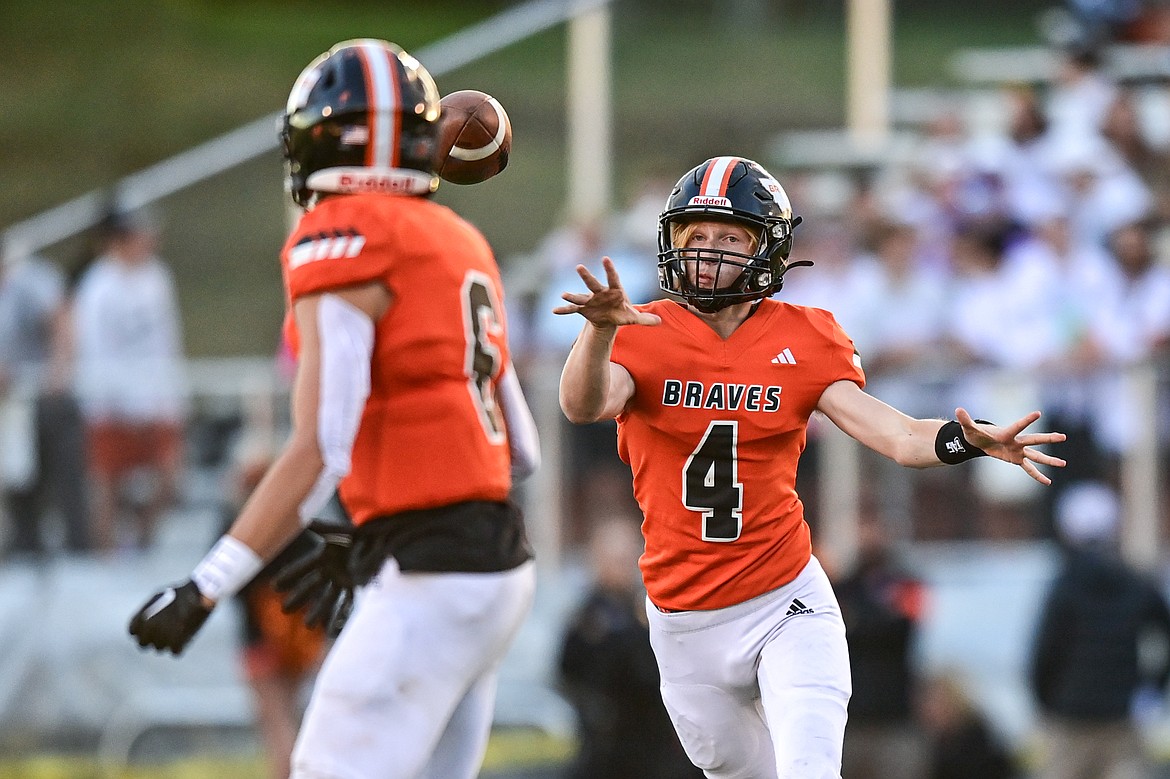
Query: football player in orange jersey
[[712, 397], [405, 402]]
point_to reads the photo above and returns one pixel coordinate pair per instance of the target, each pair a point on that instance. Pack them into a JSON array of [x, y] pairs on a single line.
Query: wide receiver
[[743, 621], [406, 403]]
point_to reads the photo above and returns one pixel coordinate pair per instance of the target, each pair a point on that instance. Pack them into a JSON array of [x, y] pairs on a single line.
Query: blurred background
[[986, 193]]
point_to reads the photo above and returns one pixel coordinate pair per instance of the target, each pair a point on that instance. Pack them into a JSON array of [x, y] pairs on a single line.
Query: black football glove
[[170, 619], [321, 579]]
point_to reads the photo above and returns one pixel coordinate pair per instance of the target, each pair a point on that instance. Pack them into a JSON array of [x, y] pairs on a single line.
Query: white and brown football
[[475, 137]]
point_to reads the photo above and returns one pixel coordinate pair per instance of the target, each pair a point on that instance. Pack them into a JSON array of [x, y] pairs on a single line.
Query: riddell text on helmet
[[708, 200], [373, 182]]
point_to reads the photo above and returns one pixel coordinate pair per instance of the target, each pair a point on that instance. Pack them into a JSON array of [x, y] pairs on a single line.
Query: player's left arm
[[523, 441], [924, 443]]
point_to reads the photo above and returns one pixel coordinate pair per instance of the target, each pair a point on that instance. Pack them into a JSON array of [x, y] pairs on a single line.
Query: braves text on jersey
[[713, 435]]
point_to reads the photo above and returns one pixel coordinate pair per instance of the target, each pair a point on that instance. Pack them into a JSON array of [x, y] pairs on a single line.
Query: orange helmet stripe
[[718, 175], [382, 99]]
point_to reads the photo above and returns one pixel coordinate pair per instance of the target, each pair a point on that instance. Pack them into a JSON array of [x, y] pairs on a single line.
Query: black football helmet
[[362, 117], [736, 190]]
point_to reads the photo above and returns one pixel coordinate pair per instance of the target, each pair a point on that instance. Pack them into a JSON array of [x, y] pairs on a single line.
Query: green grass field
[[508, 750]]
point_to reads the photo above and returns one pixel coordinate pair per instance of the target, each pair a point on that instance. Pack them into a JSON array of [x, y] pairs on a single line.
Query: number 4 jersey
[[432, 433], [713, 434]]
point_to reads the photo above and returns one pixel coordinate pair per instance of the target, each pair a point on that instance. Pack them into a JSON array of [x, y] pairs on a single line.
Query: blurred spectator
[[1102, 21], [881, 602], [626, 237], [899, 315], [962, 744], [1082, 268], [1133, 320], [1152, 25], [949, 182], [836, 211], [1021, 160], [279, 655], [1002, 289], [1101, 624], [636, 229], [1133, 317], [42, 461], [1070, 376], [130, 378], [577, 242], [1130, 326], [1082, 92], [609, 674], [1123, 129], [596, 481], [1099, 189]]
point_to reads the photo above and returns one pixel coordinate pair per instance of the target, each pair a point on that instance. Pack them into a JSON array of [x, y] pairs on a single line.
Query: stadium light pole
[[589, 169], [1141, 490], [589, 114], [868, 53], [868, 119]]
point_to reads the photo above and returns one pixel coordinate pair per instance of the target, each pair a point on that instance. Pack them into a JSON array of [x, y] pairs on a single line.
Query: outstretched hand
[[605, 305], [1010, 444]]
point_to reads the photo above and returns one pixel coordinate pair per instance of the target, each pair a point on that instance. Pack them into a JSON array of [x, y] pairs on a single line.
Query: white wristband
[[226, 569]]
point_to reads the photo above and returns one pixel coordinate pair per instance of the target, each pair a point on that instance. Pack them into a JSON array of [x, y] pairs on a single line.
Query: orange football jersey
[[713, 435], [432, 432]]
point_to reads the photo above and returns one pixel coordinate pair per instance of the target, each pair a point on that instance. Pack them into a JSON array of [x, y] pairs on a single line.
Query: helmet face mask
[[739, 191], [362, 117]]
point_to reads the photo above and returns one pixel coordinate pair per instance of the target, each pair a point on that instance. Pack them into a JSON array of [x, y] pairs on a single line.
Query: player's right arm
[[329, 393], [593, 387]]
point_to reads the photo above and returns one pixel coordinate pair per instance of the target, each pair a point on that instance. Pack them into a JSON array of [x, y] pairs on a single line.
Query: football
[[475, 137]]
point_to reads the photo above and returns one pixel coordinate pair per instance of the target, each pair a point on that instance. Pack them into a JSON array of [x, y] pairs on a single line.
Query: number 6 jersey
[[431, 433], [713, 434]]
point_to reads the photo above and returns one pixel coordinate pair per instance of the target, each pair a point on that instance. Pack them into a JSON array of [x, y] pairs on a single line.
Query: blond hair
[[681, 232]]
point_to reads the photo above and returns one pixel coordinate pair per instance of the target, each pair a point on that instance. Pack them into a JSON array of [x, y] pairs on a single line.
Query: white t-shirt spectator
[[129, 352]]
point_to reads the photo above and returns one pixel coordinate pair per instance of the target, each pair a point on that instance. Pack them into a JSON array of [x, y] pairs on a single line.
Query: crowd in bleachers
[[1024, 265], [1041, 250]]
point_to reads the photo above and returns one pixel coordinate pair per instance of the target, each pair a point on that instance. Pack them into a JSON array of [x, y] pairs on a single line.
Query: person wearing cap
[[1090, 658]]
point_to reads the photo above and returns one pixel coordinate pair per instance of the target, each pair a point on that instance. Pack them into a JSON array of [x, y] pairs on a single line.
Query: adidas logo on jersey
[[326, 247], [797, 608], [784, 358]]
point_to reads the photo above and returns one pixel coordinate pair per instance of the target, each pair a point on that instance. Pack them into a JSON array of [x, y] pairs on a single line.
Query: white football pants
[[759, 690], [408, 689]]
